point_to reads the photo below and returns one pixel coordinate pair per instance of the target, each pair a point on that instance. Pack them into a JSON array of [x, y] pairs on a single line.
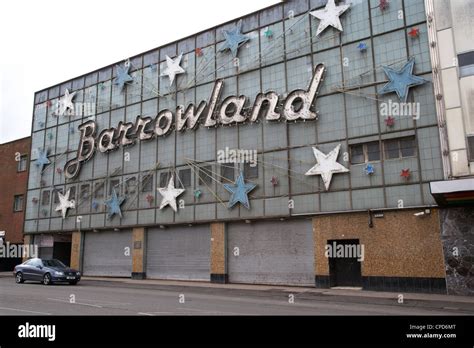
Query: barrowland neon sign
[[298, 105]]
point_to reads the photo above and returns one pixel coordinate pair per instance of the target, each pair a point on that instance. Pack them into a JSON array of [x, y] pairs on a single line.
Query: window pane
[[99, 190], [114, 184], [391, 149], [131, 186], [205, 175], [249, 171], [357, 154], [56, 196], [72, 194], [470, 144], [407, 147], [373, 151], [147, 183], [45, 198], [22, 163], [466, 58], [84, 191], [18, 203], [227, 172], [164, 179], [185, 177]]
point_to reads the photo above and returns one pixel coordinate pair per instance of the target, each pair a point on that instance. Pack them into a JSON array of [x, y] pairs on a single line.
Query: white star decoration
[[65, 203], [65, 103], [170, 193], [172, 68], [327, 165], [329, 16]]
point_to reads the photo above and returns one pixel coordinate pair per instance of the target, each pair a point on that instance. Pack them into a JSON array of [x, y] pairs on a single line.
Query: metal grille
[[105, 253], [271, 253], [179, 253]]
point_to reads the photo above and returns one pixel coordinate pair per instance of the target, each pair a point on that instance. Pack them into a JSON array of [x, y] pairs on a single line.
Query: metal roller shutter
[[179, 253], [271, 252], [104, 253]]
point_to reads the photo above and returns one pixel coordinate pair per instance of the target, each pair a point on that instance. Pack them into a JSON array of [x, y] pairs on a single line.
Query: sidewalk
[[289, 289], [294, 289]]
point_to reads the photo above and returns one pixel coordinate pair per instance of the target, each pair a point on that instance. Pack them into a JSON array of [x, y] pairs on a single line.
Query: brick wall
[[12, 183]]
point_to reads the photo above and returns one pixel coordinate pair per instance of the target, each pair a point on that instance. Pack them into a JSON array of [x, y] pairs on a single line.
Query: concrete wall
[[454, 36]]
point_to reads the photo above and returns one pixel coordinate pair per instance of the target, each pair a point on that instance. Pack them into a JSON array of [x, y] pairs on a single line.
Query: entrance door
[[344, 267], [62, 252]]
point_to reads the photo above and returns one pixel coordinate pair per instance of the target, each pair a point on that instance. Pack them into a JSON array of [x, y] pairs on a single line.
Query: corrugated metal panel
[[271, 252], [179, 253], [105, 253]]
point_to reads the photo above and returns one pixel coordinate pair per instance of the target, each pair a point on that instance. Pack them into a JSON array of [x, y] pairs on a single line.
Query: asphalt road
[[92, 297]]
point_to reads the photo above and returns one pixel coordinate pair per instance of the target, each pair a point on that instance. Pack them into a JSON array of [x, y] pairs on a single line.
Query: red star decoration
[[274, 181], [389, 121], [383, 5], [149, 199], [414, 32], [198, 52], [405, 173]]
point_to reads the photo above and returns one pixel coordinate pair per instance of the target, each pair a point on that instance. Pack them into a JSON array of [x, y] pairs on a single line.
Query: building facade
[[451, 31], [252, 152], [15, 157]]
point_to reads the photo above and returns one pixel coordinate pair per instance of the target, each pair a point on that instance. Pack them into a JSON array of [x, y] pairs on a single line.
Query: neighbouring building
[[452, 53], [15, 156], [283, 147]]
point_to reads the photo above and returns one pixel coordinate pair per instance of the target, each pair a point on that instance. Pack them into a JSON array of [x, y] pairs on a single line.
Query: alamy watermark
[[8, 250], [337, 250], [80, 109], [37, 331], [397, 109], [237, 156]]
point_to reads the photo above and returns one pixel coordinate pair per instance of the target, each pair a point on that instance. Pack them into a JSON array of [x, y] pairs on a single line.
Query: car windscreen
[[53, 263]]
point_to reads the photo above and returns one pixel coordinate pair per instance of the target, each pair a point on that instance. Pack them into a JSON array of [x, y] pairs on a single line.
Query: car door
[[36, 269], [26, 269]]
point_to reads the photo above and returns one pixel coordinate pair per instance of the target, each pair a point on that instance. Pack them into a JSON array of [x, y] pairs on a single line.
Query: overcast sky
[[45, 42]]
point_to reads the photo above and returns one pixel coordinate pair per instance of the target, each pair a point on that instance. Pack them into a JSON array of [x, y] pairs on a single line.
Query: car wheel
[[19, 278], [74, 282], [47, 279]]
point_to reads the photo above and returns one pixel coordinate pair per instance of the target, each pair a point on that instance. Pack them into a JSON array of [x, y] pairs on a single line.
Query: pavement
[[123, 296]]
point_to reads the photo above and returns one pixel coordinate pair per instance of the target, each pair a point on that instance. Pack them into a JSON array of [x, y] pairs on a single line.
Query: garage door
[[271, 252], [105, 253], [179, 253]]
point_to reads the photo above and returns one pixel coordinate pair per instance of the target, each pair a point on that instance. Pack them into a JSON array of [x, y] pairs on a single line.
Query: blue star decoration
[[239, 192], [42, 159], [362, 46], [369, 169], [113, 205], [234, 39], [122, 76], [401, 80]]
